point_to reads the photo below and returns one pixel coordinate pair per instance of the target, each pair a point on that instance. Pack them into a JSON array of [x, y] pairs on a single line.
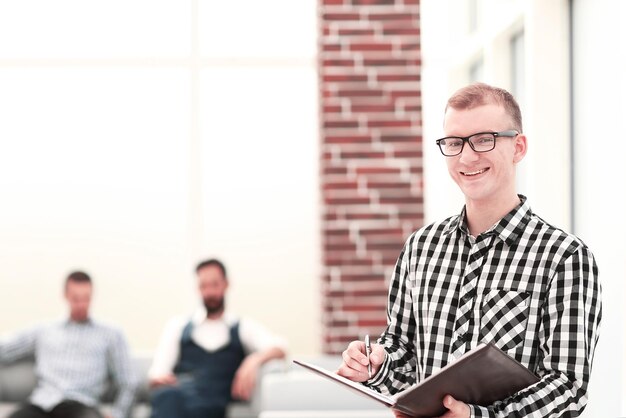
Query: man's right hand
[[165, 380], [354, 364]]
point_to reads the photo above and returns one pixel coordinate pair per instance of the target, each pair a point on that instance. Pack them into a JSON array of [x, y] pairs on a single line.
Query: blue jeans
[[183, 402]]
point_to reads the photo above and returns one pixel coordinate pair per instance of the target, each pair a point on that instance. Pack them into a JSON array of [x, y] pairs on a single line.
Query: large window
[[477, 71], [141, 136], [518, 70]]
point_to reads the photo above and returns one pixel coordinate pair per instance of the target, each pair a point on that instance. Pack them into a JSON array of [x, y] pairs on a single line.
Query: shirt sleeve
[[255, 337], [123, 374], [19, 346], [168, 349], [567, 340], [398, 369]]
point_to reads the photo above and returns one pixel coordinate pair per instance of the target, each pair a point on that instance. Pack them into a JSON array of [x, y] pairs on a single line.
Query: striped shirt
[[73, 362], [524, 285]]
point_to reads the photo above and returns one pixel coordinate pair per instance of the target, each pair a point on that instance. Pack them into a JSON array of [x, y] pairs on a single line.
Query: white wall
[[139, 137], [600, 88]]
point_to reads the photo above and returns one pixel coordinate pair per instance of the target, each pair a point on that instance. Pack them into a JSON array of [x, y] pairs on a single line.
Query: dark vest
[[210, 373]]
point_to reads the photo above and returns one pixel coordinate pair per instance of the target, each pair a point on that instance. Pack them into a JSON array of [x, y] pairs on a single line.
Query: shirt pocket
[[504, 316]]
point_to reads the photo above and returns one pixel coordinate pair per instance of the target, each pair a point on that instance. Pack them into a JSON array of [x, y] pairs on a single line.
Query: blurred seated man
[[206, 360], [73, 359]]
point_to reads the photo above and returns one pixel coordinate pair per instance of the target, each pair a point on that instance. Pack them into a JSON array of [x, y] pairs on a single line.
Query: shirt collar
[[509, 228], [200, 315], [88, 321]]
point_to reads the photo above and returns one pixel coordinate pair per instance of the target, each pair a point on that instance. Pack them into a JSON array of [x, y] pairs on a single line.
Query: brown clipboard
[[481, 376]]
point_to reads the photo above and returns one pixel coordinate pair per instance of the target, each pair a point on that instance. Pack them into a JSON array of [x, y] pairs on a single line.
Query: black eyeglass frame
[[511, 133]]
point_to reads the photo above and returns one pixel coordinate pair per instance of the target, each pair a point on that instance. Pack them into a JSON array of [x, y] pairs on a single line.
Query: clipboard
[[481, 376]]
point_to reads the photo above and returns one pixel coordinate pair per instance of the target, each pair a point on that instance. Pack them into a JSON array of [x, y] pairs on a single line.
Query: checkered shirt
[[524, 285], [73, 362]]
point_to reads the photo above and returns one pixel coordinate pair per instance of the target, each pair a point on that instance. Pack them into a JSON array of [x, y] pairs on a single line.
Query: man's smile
[[474, 173]]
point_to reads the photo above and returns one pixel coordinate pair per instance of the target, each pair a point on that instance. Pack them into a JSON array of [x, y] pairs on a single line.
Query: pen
[[368, 351]]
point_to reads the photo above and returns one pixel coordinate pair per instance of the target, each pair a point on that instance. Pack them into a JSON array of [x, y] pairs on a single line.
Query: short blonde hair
[[479, 94]]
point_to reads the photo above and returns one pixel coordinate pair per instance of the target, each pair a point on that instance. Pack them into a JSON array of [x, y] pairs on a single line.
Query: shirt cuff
[[383, 372], [477, 411]]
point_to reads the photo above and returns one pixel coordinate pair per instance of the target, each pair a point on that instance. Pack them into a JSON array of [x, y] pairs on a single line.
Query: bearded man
[[205, 361]]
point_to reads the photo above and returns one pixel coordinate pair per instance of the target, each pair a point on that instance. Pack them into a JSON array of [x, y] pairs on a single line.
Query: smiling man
[[494, 273]]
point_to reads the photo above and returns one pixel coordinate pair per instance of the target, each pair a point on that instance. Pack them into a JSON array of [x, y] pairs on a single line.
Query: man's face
[[212, 285], [484, 177], [78, 297]]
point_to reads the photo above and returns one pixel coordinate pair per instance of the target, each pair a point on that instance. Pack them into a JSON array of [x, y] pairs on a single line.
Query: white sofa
[[284, 390], [299, 393], [17, 381]]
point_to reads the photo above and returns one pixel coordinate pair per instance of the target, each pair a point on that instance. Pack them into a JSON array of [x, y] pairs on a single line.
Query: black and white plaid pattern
[[524, 285]]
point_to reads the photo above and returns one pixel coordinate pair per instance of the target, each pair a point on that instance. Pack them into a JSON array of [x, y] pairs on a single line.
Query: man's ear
[[521, 146]]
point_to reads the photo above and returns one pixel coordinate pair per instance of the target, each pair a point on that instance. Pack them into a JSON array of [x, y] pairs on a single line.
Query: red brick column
[[371, 157]]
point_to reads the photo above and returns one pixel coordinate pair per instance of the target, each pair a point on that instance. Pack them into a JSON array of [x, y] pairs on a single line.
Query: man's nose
[[468, 154]]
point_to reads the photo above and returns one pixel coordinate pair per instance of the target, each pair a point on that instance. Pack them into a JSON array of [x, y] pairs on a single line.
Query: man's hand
[[354, 364], [165, 380], [245, 377], [456, 409]]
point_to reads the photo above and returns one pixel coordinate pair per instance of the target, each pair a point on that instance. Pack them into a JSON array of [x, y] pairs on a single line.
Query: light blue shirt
[[73, 362]]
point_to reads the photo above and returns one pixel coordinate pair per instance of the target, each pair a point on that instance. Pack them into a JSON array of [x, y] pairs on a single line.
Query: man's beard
[[213, 305]]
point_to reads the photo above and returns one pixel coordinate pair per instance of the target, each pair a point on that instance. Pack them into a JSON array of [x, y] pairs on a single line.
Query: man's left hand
[[456, 409], [245, 378]]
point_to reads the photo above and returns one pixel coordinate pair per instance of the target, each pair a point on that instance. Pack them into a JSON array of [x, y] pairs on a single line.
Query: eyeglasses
[[480, 142]]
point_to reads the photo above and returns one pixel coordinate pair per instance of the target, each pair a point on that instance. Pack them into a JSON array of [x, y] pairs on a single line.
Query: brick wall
[[371, 157]]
